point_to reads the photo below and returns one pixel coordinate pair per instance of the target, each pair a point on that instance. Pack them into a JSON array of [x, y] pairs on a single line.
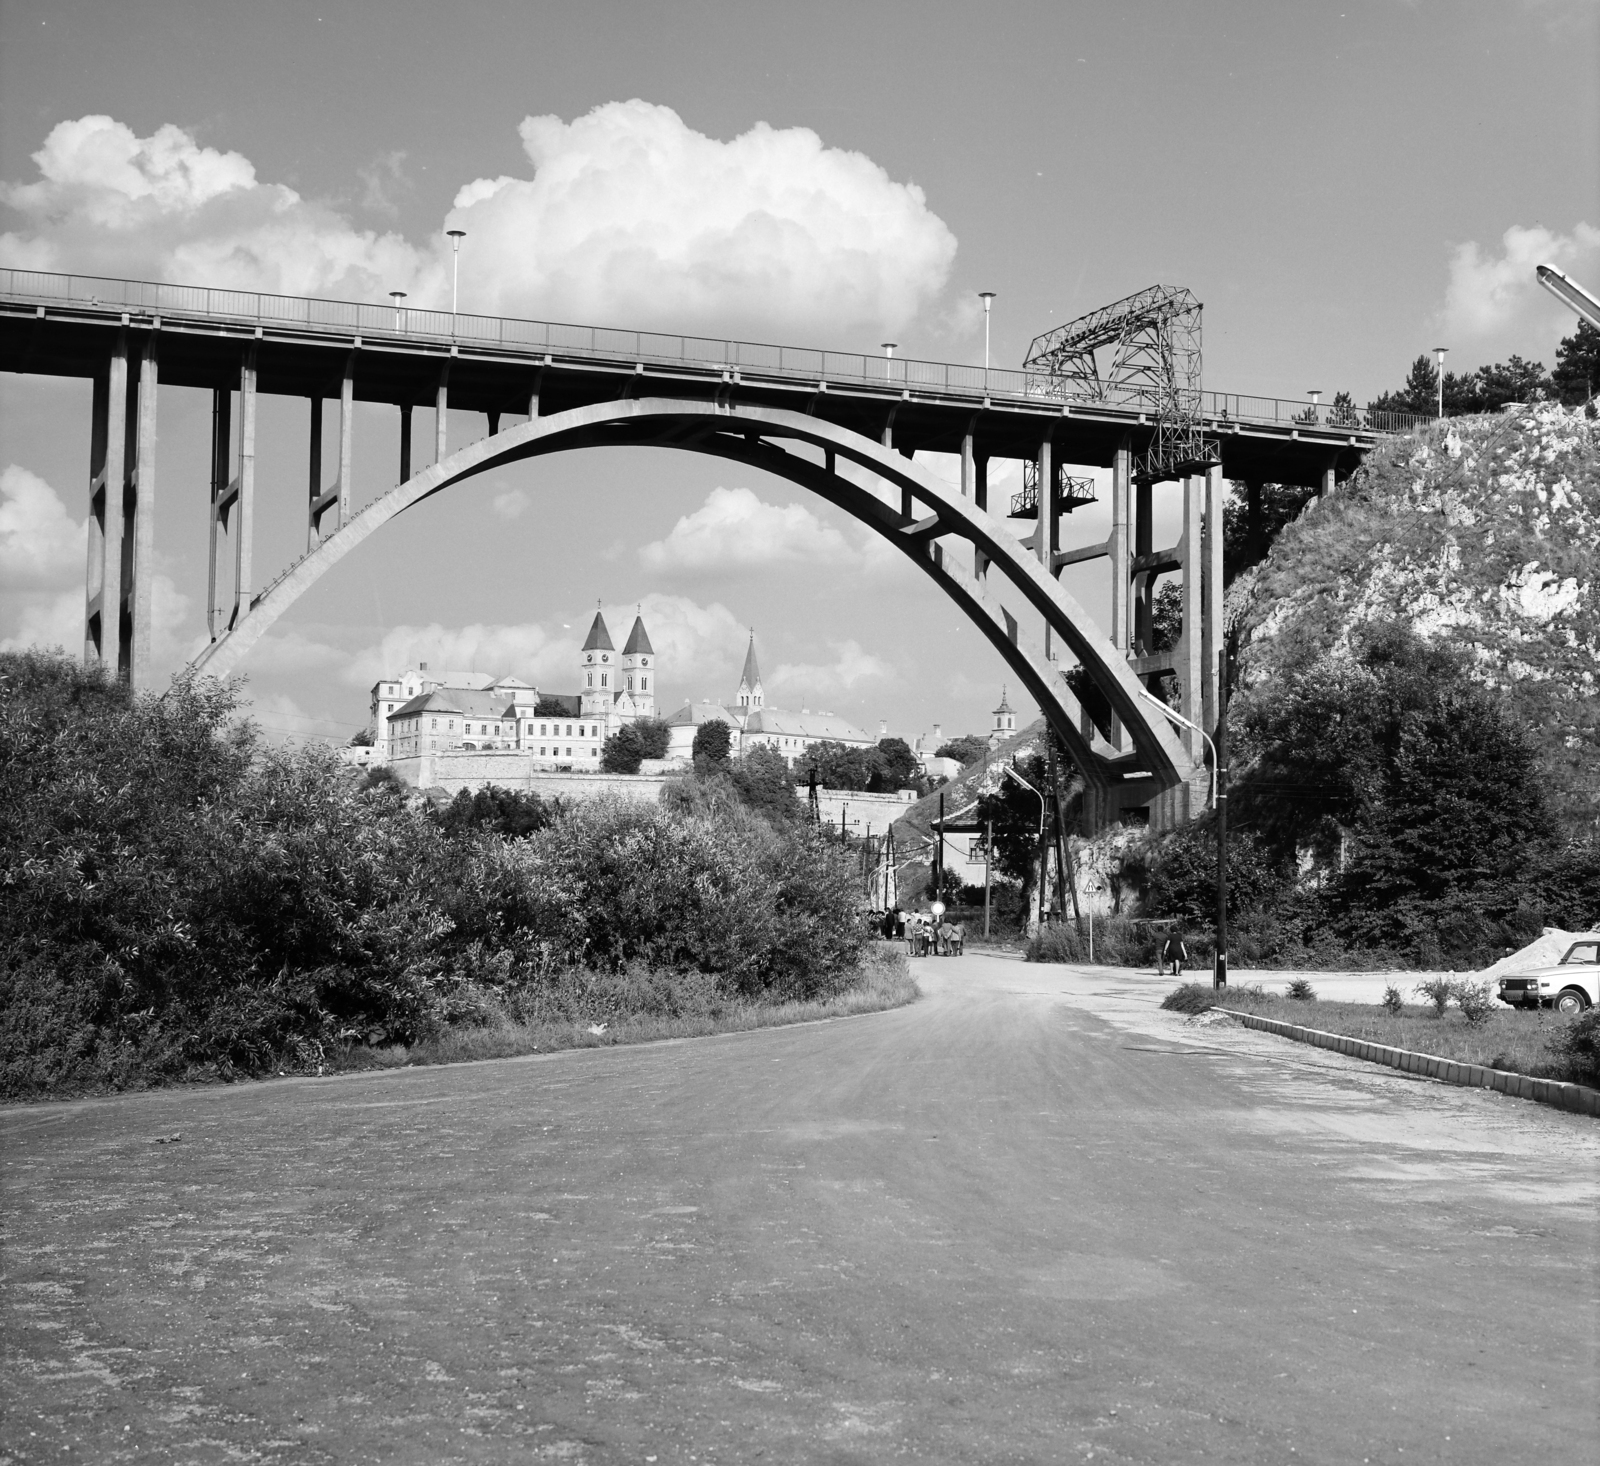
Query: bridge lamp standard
[[1315, 394], [1438, 352], [987, 297], [399, 312], [455, 236], [1219, 802], [888, 358]]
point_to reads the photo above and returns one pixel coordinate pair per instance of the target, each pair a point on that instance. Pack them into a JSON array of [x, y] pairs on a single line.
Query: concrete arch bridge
[[846, 427]]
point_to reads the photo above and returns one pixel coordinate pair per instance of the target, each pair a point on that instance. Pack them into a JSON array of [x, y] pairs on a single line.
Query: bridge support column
[[1117, 552], [221, 492], [143, 513], [980, 498], [347, 429], [1143, 583], [405, 441], [108, 446], [314, 476], [1189, 646], [1213, 591], [1044, 524], [441, 405], [244, 485]]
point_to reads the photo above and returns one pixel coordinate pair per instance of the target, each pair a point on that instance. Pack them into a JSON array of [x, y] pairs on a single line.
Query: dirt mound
[[1550, 947]]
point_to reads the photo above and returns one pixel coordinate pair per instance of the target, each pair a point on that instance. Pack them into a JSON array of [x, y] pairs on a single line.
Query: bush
[[1579, 1044], [1192, 997], [713, 743], [1476, 1001], [623, 751], [1392, 1001], [1300, 990], [1438, 991]]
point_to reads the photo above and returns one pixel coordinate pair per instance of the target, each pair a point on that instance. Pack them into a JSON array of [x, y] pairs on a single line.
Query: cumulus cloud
[[736, 530], [1495, 296], [849, 673], [698, 648], [164, 207], [634, 218], [42, 554], [630, 218]]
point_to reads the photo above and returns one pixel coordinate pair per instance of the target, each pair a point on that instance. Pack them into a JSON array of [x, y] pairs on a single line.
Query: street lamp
[[1150, 697], [987, 297], [1314, 393], [397, 296], [1039, 838], [1439, 352], [888, 358], [455, 236]]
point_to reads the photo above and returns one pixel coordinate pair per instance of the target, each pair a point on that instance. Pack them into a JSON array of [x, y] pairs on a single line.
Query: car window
[[1582, 952]]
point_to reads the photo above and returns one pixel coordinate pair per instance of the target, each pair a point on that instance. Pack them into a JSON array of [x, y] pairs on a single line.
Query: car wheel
[[1571, 1002]]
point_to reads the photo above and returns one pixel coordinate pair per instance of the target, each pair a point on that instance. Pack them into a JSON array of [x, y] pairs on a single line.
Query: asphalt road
[[1028, 1218]]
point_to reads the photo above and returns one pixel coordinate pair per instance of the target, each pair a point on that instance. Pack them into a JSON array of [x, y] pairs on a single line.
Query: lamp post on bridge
[[399, 314], [455, 236], [987, 297], [1438, 352], [888, 360]]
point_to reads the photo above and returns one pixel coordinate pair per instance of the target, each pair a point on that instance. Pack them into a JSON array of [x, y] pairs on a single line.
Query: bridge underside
[[835, 427]]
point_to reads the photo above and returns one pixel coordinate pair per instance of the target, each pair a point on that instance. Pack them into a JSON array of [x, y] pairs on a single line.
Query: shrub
[[1579, 1043], [1191, 997], [1300, 990], [1438, 991], [1392, 1001], [1476, 1001], [713, 743], [623, 751]]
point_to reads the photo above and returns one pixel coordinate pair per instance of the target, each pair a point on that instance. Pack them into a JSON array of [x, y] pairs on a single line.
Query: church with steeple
[[619, 689], [753, 724]]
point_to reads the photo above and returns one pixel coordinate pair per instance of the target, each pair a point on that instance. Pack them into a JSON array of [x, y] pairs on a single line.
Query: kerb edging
[[1578, 1098]]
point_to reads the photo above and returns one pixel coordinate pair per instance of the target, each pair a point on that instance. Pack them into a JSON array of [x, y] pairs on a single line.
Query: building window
[[605, 679], [569, 734], [541, 750], [644, 682], [541, 730], [435, 725], [590, 683], [569, 753]]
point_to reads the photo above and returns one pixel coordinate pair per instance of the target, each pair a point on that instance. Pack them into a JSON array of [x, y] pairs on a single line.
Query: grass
[[885, 982], [1519, 1042]]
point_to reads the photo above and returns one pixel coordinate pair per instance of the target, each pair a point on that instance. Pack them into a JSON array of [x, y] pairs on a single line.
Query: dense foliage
[[178, 899], [1575, 381], [888, 766], [967, 749]]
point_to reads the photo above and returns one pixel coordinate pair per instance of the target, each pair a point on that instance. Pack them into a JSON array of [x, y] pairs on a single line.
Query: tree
[[655, 736], [623, 751], [967, 749], [1577, 374], [765, 784], [363, 739], [713, 743], [837, 765], [508, 813], [895, 767], [549, 706], [1253, 516], [1014, 812]]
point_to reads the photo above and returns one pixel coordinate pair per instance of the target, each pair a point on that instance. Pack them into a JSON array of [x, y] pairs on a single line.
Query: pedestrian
[[1174, 951]]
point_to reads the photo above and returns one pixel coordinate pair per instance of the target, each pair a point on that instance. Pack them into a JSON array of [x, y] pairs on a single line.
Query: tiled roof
[[813, 727], [693, 714]]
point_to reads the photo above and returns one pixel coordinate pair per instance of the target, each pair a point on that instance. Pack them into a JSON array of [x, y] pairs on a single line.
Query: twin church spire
[[751, 695], [622, 684]]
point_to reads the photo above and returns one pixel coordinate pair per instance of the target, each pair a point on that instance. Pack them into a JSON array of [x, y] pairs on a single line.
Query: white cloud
[[282, 720], [41, 545], [736, 530], [1491, 295], [698, 648], [163, 207], [794, 683], [630, 218], [634, 219], [511, 503]]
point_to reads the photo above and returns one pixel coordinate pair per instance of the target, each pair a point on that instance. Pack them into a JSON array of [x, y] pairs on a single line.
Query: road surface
[[1029, 1218]]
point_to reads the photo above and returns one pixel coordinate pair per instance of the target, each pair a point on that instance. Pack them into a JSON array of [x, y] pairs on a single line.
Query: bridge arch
[[810, 452]]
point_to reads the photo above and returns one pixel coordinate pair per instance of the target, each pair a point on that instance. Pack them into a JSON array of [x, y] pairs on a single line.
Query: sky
[[1343, 188]]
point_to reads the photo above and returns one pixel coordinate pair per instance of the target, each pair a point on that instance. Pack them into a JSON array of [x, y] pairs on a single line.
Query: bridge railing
[[155, 298]]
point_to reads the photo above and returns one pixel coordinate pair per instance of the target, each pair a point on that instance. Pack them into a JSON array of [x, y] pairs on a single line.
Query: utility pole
[[938, 857], [1219, 974], [988, 857]]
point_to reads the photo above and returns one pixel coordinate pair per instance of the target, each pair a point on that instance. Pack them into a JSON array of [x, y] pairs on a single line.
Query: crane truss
[[1143, 351]]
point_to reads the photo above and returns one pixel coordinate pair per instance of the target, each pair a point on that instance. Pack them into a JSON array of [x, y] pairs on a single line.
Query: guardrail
[[400, 322]]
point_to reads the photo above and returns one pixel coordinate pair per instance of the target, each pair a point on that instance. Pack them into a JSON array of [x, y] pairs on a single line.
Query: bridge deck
[[65, 325]]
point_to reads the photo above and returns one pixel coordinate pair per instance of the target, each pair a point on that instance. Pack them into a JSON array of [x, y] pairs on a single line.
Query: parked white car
[[1571, 985]]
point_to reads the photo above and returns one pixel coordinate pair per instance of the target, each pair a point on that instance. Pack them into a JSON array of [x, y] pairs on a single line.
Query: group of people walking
[[924, 934]]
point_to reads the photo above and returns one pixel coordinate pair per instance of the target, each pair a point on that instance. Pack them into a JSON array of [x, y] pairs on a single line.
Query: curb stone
[[1578, 1098]]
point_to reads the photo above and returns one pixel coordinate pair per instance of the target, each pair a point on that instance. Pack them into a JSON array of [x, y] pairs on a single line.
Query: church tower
[[597, 671], [751, 697], [1005, 721], [639, 670]]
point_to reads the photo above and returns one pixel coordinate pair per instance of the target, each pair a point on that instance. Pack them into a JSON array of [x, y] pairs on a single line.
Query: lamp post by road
[[987, 297], [1038, 895], [399, 314], [1438, 352], [455, 237], [1219, 803]]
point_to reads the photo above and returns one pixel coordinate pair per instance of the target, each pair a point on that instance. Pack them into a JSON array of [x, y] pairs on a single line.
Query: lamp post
[[1315, 394], [987, 297], [455, 237], [397, 296], [1438, 352], [1150, 697], [1038, 898]]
